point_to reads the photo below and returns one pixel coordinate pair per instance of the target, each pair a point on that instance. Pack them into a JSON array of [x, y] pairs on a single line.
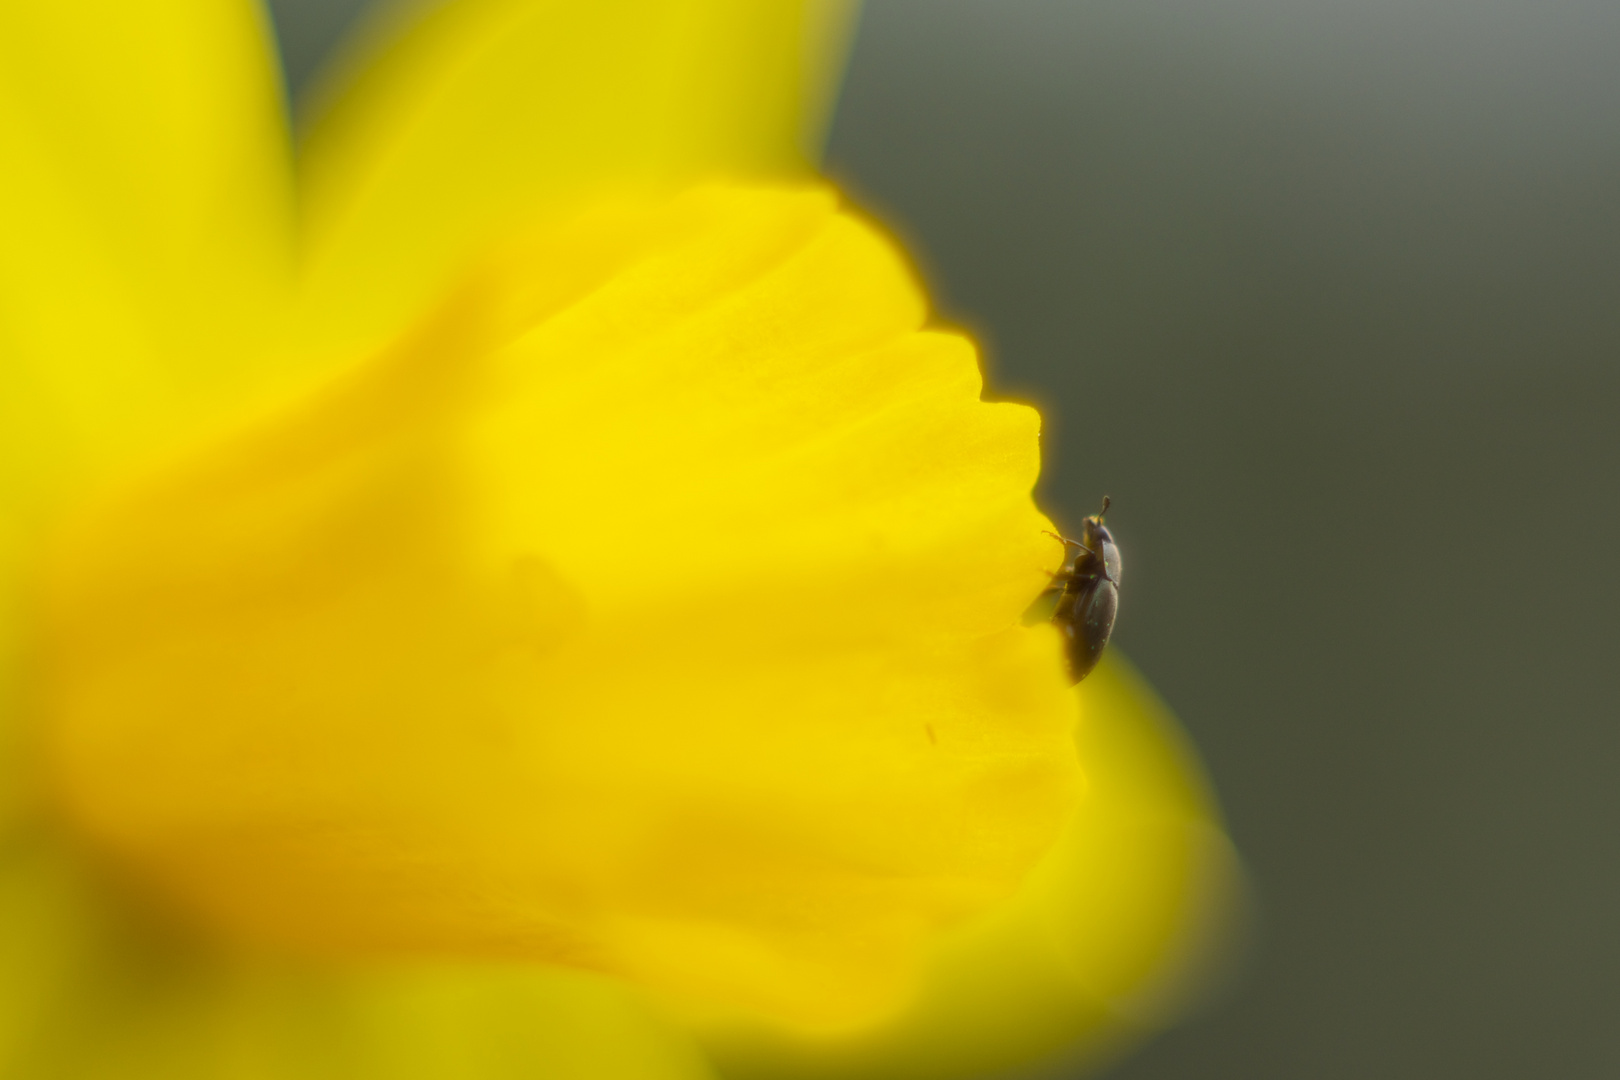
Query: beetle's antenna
[[1066, 540]]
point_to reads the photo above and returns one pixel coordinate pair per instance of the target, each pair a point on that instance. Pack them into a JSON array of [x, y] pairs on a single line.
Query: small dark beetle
[[1087, 594]]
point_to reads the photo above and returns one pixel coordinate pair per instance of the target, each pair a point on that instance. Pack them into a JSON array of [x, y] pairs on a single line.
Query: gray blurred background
[[1326, 295]]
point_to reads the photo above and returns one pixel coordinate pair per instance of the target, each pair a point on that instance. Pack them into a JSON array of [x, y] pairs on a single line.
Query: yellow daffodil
[[525, 591]]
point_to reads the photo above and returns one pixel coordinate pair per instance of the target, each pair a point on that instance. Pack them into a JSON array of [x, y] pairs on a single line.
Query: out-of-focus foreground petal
[[144, 220], [654, 609], [482, 113], [146, 215], [1124, 923], [93, 986]]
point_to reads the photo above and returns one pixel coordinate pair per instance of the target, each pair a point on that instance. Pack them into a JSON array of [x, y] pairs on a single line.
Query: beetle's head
[[1095, 530]]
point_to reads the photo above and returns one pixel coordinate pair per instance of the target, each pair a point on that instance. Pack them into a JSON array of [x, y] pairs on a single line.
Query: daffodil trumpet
[[349, 681]]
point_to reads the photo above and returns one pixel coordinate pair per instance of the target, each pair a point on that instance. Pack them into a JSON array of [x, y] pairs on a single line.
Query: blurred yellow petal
[[655, 608], [485, 112], [94, 986], [144, 242], [1126, 919], [145, 210]]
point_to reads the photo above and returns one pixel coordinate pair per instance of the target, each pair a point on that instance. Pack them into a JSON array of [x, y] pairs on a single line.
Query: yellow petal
[[655, 609], [487, 111], [144, 202], [1126, 919], [144, 238], [92, 986]]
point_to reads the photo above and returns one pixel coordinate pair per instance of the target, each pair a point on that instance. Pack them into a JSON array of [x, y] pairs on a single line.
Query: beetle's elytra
[[1086, 591]]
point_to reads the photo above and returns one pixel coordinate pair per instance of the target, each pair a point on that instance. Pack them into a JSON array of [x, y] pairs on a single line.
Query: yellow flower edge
[[654, 608], [1130, 919]]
